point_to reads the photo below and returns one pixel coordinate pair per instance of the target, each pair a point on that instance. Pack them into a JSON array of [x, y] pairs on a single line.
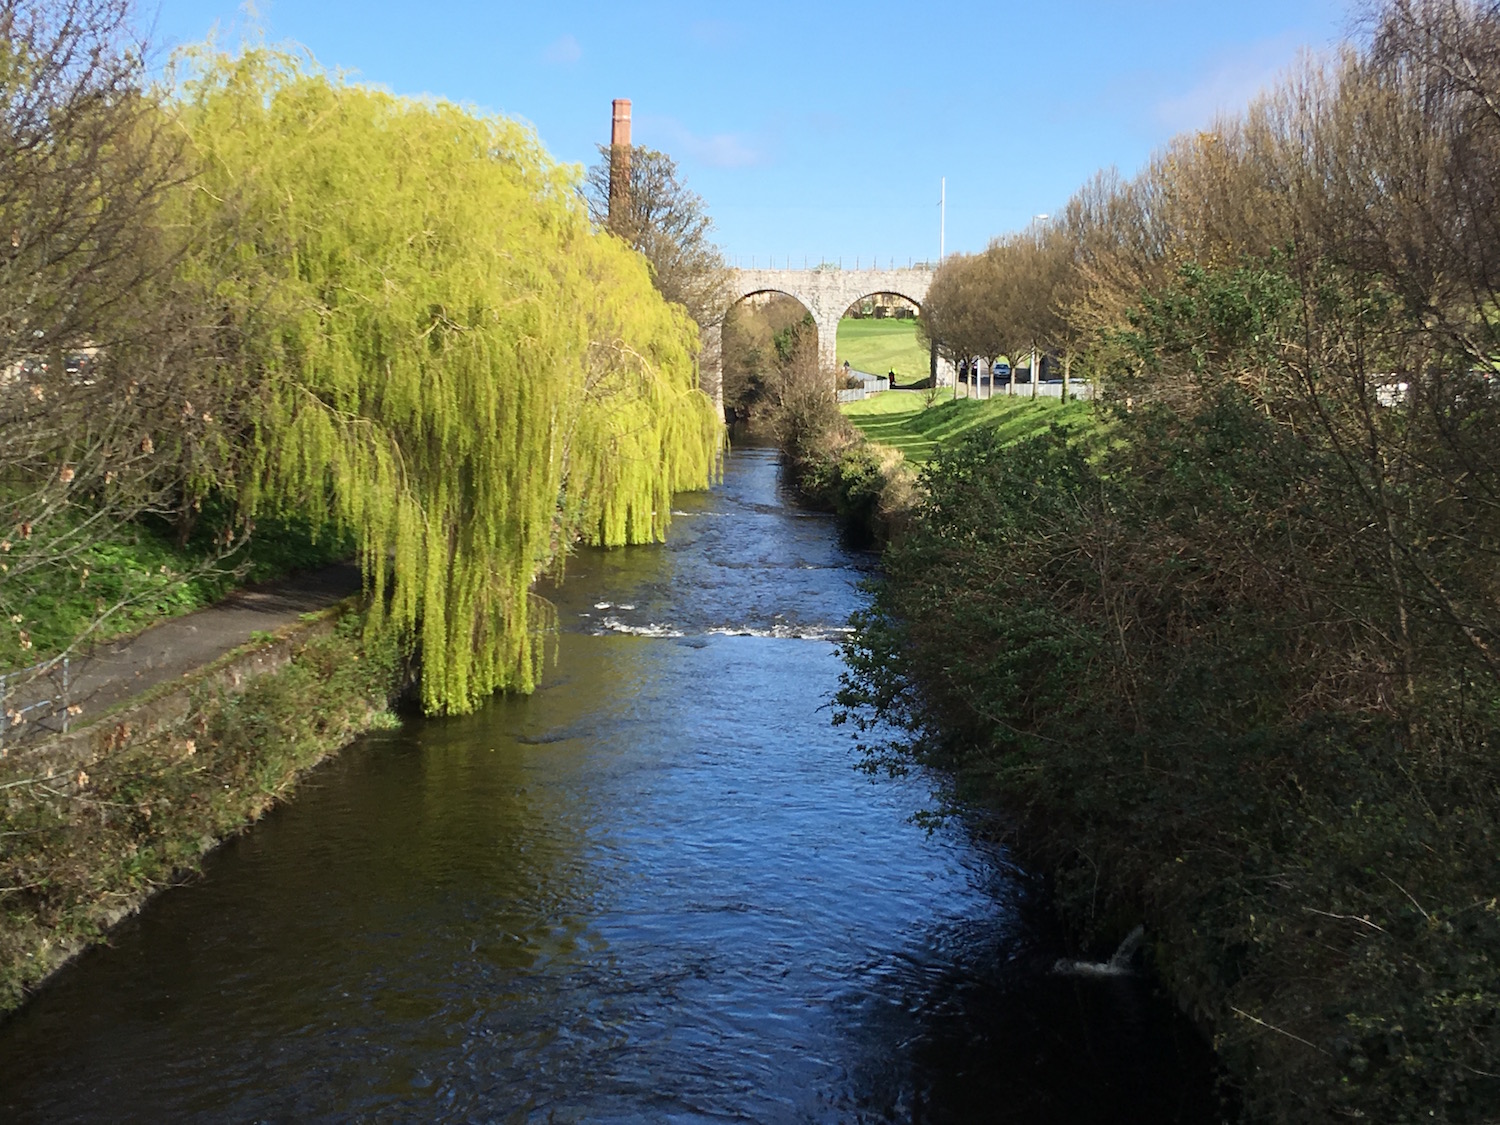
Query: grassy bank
[[861, 461], [1154, 674], [878, 346], [1190, 672], [133, 575], [904, 421], [78, 850]]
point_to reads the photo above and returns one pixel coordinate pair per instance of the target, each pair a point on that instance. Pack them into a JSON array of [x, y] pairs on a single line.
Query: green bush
[[1226, 673]]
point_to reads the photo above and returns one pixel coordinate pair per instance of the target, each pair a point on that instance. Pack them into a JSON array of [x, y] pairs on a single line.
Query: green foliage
[[1230, 671], [444, 359], [861, 483], [867, 486], [50, 608], [764, 342], [785, 341], [133, 575]]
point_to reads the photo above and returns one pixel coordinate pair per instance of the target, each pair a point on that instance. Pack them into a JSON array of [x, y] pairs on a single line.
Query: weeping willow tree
[[441, 354]]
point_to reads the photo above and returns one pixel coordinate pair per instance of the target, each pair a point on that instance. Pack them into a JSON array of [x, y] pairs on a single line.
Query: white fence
[[1047, 388], [872, 384]]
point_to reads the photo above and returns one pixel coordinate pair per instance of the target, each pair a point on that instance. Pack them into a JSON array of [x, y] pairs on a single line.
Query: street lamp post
[[932, 366], [1036, 373]]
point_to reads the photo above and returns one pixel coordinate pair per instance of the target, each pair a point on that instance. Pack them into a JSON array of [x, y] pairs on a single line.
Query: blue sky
[[821, 130]]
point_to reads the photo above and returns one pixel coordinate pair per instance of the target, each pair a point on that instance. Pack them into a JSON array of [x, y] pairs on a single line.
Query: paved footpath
[[119, 670]]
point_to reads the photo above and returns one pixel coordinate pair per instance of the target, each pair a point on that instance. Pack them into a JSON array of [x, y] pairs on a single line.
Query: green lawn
[[878, 346], [898, 418]]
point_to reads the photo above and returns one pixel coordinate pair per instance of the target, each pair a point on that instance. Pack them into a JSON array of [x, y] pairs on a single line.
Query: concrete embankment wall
[[165, 706]]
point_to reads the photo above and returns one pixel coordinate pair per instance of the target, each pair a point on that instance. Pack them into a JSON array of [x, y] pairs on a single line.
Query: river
[[657, 890]]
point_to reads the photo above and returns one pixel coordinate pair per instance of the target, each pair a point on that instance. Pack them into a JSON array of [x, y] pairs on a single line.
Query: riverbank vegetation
[[771, 352], [262, 292], [136, 574], [766, 337], [87, 846], [1233, 671], [861, 461]]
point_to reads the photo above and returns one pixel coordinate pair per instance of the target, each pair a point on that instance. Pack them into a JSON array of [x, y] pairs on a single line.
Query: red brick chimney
[[619, 162]]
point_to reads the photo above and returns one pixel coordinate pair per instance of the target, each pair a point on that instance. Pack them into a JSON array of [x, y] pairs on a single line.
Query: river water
[[657, 890]]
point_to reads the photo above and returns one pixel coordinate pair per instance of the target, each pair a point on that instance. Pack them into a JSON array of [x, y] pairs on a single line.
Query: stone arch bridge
[[827, 293]]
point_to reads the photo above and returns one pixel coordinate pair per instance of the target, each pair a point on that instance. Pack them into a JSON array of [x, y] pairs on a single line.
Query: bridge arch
[[774, 291], [826, 293], [880, 293]]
